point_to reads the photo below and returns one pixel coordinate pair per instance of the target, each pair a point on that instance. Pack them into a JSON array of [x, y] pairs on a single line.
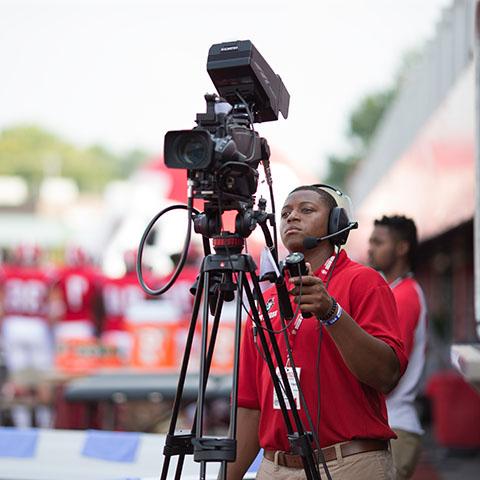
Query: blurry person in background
[[179, 294], [79, 297], [118, 296], [26, 298], [392, 251]]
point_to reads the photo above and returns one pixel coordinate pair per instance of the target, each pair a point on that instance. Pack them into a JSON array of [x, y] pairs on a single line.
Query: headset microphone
[[312, 242]]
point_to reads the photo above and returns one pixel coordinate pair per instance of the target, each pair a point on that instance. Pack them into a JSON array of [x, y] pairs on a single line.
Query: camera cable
[[190, 210]]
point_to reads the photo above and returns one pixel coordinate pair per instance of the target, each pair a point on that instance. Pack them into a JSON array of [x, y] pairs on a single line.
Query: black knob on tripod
[[295, 264]]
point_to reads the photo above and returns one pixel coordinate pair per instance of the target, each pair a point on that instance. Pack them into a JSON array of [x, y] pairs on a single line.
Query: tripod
[[235, 269]]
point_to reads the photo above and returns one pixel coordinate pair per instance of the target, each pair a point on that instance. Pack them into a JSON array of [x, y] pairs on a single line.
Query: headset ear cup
[[338, 220]]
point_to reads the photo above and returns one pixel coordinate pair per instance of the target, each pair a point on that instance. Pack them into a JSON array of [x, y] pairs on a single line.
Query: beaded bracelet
[[334, 318], [331, 311]]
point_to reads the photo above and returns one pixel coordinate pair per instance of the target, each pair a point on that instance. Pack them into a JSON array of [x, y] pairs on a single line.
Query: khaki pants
[[362, 466], [406, 452]]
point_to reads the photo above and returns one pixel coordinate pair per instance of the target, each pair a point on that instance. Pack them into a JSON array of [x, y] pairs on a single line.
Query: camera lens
[[188, 149], [193, 149]]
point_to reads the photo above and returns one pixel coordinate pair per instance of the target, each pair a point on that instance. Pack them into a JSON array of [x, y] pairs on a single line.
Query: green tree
[[366, 116], [33, 153], [339, 169], [363, 123]]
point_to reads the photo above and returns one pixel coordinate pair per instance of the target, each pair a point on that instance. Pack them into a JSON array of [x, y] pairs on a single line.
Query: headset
[[339, 222]]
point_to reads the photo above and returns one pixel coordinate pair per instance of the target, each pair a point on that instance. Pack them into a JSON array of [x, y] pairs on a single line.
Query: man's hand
[[310, 293]]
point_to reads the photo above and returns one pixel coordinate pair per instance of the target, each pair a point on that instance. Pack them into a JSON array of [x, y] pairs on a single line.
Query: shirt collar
[[400, 279], [324, 271]]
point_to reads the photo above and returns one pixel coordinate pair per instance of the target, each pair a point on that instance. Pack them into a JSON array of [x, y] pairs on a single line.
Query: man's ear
[[402, 248]]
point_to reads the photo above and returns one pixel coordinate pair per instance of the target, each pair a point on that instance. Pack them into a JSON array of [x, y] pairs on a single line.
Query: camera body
[[222, 153]]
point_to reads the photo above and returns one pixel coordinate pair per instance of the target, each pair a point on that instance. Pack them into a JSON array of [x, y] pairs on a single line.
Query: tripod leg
[[205, 361], [268, 358], [211, 347], [181, 379], [203, 354], [203, 371], [236, 365], [213, 337]]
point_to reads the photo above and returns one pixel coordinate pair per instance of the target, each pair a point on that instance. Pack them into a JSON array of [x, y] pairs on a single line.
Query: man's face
[[382, 250], [304, 214]]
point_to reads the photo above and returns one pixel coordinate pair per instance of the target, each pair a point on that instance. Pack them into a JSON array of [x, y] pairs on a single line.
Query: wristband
[[334, 318], [330, 313]]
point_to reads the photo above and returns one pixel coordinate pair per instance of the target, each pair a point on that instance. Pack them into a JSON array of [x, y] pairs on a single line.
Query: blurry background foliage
[[34, 153], [363, 122]]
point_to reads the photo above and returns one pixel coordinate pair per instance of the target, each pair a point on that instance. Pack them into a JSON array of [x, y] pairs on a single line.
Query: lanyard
[[292, 334], [299, 320]]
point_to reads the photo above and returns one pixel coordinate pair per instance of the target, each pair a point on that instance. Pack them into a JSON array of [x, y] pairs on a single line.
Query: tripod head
[[209, 222], [228, 246]]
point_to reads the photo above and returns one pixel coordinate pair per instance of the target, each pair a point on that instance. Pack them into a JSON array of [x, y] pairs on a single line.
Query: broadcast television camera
[[222, 153], [221, 156]]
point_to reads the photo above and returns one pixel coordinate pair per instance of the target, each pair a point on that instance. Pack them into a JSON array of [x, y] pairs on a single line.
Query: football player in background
[[27, 294], [80, 297]]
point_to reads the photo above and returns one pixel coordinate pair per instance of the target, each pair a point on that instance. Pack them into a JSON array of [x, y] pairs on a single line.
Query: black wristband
[[330, 313]]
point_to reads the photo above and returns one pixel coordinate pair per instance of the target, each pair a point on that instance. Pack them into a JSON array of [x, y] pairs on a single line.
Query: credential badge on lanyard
[[293, 387]]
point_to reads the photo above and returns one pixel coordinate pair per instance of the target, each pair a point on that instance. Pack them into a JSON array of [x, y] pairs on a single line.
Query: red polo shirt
[[410, 313], [349, 409]]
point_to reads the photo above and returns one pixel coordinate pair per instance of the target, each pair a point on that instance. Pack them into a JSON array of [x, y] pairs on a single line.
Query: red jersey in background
[[118, 295], [26, 291], [79, 289], [179, 293]]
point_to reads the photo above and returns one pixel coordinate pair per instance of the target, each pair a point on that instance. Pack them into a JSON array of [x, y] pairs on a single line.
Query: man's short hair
[[326, 197], [403, 228]]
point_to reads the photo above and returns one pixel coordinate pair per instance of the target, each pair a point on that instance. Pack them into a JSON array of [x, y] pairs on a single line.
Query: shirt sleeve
[[408, 306], [373, 307], [248, 375]]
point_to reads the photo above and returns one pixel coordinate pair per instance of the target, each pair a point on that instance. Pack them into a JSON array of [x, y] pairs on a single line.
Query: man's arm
[[247, 443], [370, 359]]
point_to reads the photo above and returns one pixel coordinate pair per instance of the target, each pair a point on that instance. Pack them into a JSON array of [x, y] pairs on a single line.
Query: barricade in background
[[98, 390], [158, 336], [456, 411], [32, 454], [152, 325], [77, 355], [64, 454]]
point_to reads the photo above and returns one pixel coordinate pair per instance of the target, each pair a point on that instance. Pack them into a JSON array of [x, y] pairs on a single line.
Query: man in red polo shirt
[[347, 355], [392, 250]]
